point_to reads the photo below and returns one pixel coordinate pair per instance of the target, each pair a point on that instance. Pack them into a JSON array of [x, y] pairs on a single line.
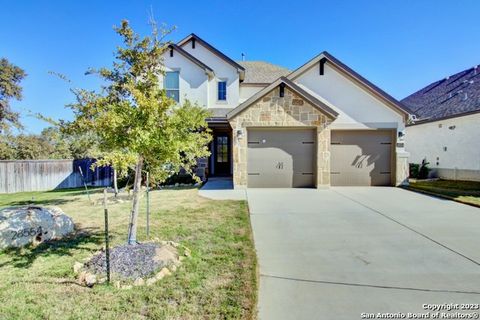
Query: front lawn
[[218, 281], [462, 191]]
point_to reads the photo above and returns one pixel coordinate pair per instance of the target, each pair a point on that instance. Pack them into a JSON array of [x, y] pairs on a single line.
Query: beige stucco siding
[[274, 111]]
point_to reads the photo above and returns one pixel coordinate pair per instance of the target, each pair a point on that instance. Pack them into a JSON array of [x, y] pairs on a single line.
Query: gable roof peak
[[214, 50], [316, 103], [187, 55], [354, 76]]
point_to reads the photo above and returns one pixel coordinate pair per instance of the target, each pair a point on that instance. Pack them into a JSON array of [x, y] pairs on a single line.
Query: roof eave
[[457, 115]]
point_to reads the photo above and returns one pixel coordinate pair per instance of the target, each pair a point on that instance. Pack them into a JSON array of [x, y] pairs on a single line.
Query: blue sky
[[400, 46]]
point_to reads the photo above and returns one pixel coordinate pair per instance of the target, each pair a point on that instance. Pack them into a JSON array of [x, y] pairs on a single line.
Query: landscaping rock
[[164, 272], [139, 282], [20, 226], [77, 266], [90, 279], [151, 281], [81, 276]]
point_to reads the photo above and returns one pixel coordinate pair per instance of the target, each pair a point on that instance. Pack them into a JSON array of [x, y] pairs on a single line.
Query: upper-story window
[[172, 85], [222, 90]]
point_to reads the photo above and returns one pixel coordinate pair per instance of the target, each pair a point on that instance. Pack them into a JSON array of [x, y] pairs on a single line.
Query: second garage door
[[281, 158], [361, 158]]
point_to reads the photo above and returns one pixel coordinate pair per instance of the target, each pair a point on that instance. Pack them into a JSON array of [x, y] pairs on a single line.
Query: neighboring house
[[447, 131], [319, 125]]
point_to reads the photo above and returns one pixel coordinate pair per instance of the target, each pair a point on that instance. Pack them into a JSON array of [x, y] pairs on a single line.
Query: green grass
[[463, 191], [219, 280]]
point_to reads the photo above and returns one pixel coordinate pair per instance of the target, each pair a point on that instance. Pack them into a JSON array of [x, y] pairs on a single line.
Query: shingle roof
[[453, 96], [262, 72]]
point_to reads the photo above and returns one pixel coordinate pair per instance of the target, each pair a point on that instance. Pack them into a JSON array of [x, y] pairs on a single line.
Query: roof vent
[[243, 56], [475, 69], [465, 97]]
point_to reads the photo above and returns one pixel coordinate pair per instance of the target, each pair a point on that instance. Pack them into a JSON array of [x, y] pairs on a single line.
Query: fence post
[[107, 249], [148, 206]]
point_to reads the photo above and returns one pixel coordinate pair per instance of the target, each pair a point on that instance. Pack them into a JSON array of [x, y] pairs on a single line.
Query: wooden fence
[[41, 175]]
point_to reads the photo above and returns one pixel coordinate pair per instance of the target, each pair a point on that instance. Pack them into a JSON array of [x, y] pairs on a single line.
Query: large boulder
[[20, 226]]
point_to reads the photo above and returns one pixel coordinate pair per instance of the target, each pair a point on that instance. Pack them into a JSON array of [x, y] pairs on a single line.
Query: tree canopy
[[10, 78], [51, 143], [134, 118]]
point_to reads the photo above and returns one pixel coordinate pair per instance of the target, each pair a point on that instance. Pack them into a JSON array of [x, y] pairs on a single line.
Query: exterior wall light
[[239, 133]]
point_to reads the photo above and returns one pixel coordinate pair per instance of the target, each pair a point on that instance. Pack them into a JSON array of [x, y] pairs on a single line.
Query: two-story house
[[319, 125]]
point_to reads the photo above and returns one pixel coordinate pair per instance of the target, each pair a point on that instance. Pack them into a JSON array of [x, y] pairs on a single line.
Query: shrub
[[419, 171], [179, 178], [424, 170], [414, 168]]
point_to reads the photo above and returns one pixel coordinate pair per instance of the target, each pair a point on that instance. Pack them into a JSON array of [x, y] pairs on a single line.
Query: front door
[[222, 154]]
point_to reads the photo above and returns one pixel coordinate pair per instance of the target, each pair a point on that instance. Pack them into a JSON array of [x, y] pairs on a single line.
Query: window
[[172, 85], [222, 149], [222, 90]]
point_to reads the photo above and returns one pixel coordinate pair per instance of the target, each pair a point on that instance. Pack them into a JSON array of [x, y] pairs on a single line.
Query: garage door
[[361, 158], [281, 158]]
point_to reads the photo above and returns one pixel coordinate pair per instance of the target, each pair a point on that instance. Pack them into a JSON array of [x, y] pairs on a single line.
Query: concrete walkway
[[221, 189], [341, 252]]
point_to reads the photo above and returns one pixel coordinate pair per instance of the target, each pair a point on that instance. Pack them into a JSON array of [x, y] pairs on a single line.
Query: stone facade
[[274, 111]]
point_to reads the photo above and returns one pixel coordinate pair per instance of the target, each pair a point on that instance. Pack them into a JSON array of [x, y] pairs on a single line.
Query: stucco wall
[[274, 111], [462, 143], [193, 80], [222, 70], [357, 108], [246, 91]]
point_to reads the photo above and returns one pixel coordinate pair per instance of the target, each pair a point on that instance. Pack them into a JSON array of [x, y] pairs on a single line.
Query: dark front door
[[222, 154]]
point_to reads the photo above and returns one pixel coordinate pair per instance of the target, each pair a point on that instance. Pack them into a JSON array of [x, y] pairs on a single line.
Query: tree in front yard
[[10, 78], [134, 118]]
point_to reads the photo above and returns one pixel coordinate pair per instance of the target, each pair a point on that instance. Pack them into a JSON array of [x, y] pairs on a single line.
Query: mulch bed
[[129, 261]]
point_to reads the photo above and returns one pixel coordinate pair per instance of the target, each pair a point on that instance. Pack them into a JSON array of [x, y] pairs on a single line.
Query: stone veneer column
[[274, 111]]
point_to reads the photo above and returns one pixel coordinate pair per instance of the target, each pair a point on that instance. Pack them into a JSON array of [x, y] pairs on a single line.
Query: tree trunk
[[132, 228], [115, 183]]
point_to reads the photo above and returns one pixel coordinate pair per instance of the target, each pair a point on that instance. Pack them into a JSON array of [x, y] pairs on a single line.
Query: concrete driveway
[[341, 252]]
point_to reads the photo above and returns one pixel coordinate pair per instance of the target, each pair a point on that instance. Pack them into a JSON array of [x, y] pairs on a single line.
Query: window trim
[[177, 71], [218, 90]]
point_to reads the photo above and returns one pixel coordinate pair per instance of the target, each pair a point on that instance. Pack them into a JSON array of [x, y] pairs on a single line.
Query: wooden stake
[[107, 249], [148, 206]]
